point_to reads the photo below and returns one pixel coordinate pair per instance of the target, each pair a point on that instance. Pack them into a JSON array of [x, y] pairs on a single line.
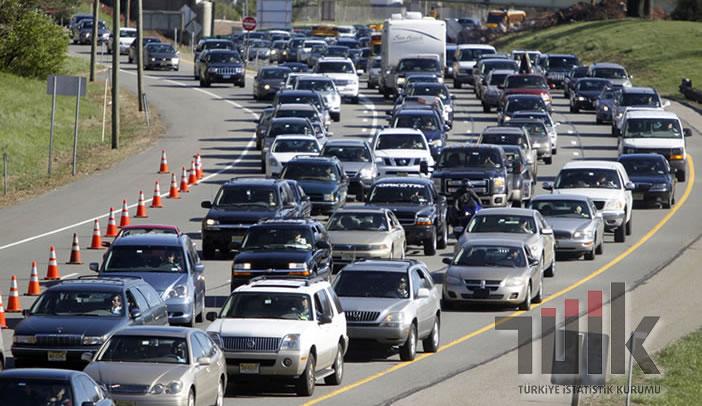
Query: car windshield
[[478, 158], [376, 63], [400, 193], [644, 167], [562, 62], [525, 104], [493, 65], [334, 67], [418, 122], [337, 52], [418, 65], [348, 153], [32, 392], [579, 72], [289, 128], [652, 128], [304, 113], [127, 33], [591, 85], [535, 130], [358, 222], [146, 230], [312, 99], [486, 256], [609, 73], [224, 57], [588, 178], [502, 223], [607, 93], [217, 45], [525, 82], [161, 49], [473, 54], [498, 80], [274, 74], [306, 171], [79, 303], [318, 85], [639, 99], [233, 196], [284, 146], [419, 90], [562, 208], [146, 349], [390, 285], [279, 44], [401, 141], [285, 306], [504, 139], [145, 258]]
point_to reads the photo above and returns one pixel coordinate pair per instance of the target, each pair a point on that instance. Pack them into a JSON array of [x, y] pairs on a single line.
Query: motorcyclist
[[465, 199]]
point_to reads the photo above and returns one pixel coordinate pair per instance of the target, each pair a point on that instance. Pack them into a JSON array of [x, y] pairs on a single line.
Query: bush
[[31, 44], [688, 10]]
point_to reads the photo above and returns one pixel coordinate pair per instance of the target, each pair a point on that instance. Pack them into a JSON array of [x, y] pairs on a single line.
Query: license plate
[[237, 238], [402, 174], [226, 76], [57, 356], [346, 257], [481, 293], [125, 403], [245, 368], [638, 196]]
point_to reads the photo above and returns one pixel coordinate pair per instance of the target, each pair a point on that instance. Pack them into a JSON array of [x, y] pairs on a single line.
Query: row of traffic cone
[[13, 301], [195, 166]]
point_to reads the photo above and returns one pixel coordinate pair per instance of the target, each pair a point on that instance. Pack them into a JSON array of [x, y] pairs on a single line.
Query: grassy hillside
[[657, 53]]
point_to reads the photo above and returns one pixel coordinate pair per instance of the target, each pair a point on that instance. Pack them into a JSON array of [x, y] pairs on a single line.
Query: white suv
[[343, 72], [609, 187], [402, 151], [285, 328]]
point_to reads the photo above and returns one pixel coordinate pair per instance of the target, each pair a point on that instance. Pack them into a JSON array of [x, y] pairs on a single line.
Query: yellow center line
[[556, 295]]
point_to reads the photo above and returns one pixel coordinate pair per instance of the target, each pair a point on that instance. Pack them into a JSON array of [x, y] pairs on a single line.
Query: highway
[[219, 122]]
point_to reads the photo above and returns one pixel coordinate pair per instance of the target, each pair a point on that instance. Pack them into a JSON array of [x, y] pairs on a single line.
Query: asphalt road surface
[[219, 122]]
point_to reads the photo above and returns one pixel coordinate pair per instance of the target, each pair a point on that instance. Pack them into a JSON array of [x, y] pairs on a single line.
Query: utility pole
[[129, 11], [115, 75], [212, 21], [140, 55], [93, 42]]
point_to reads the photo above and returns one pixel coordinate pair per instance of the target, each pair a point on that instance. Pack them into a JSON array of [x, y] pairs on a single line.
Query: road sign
[[248, 23], [66, 85]]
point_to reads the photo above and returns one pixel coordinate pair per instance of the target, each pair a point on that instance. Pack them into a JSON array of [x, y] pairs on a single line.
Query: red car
[[526, 84]]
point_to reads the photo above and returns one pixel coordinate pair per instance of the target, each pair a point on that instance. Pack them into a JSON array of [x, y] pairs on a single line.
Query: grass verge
[[658, 53], [24, 133]]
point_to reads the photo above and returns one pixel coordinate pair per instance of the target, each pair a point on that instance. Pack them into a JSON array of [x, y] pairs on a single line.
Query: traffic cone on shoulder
[[198, 167], [3, 321], [163, 168], [173, 191], [141, 207], [75, 252], [13, 302], [156, 200], [124, 216], [34, 288], [96, 241], [52, 271], [192, 179], [184, 181], [111, 225]]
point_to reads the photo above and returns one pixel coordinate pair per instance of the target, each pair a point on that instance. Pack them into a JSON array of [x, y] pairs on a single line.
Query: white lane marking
[[576, 153], [369, 105], [570, 131], [251, 143], [573, 142], [70, 275], [365, 120]]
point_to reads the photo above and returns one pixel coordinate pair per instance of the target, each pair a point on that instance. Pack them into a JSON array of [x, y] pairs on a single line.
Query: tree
[[688, 10]]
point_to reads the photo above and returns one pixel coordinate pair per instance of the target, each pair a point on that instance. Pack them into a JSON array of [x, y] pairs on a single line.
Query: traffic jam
[[330, 243]]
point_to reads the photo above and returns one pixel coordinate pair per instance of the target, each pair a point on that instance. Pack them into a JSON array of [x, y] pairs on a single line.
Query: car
[[296, 67], [258, 49], [305, 50], [148, 365], [82, 32], [365, 232], [525, 225], [127, 35], [615, 73], [320, 121], [309, 97], [605, 103], [491, 88], [634, 98], [527, 84], [343, 72], [269, 80], [169, 263], [439, 90], [555, 67], [206, 44], [393, 303], [161, 56], [286, 126], [221, 66], [522, 180], [132, 52], [450, 59], [77, 18], [578, 227], [538, 137], [545, 117], [317, 52], [497, 135], [322, 178], [585, 93], [466, 58], [76, 316], [402, 151], [263, 125], [360, 59], [659, 132], [277, 47], [358, 161], [326, 90], [286, 147], [572, 77], [485, 66], [289, 53], [291, 329], [609, 187], [428, 121], [374, 71], [519, 102], [43, 386], [391, 84], [422, 212], [493, 271], [654, 179]]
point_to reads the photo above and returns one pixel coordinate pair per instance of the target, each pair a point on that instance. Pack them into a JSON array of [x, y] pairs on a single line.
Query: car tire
[[201, 316], [191, 398], [548, 161], [430, 245], [338, 367], [554, 151], [670, 202], [219, 400], [590, 256], [442, 241], [431, 343], [600, 248], [456, 84], [540, 295], [208, 250], [486, 108], [629, 226], [304, 384], [680, 175], [619, 234], [551, 270], [526, 304], [408, 350]]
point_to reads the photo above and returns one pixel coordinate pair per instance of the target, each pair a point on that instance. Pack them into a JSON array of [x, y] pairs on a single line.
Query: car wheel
[[554, 151], [551, 270], [191, 398], [670, 202], [590, 256], [619, 234], [456, 84], [208, 250], [540, 295], [486, 108], [408, 350], [431, 343], [430, 245], [354, 100], [548, 161], [200, 316], [629, 226], [598, 121], [304, 385], [680, 175], [338, 367], [600, 248], [220, 393], [443, 240], [526, 304]]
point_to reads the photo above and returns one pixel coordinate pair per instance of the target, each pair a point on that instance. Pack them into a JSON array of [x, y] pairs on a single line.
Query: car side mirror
[[424, 168], [629, 186], [211, 316], [687, 132], [447, 127], [204, 361], [256, 77], [206, 204], [305, 198], [199, 268], [324, 319], [666, 104], [323, 245], [94, 266], [423, 293], [548, 186], [599, 214], [106, 244], [26, 313], [547, 231], [533, 261], [134, 312], [86, 356]]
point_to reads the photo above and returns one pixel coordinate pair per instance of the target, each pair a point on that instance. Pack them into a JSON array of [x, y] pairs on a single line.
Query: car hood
[[82, 325], [466, 64], [161, 281], [345, 76], [590, 94], [402, 153], [593, 193], [317, 186], [355, 167], [271, 82], [519, 90], [259, 327], [163, 55], [272, 259], [567, 224], [245, 215], [484, 272], [405, 209], [653, 142], [358, 237], [135, 373], [373, 304], [649, 179]]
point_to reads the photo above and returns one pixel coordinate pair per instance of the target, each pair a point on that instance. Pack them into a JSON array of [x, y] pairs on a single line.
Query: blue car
[[426, 120], [653, 178], [20, 387], [322, 178]]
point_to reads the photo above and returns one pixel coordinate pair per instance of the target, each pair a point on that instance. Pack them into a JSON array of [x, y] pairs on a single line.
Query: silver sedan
[[161, 366]]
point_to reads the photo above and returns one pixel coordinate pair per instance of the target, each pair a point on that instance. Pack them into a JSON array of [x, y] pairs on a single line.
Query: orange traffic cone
[[124, 216], [75, 252], [192, 179], [173, 192], [34, 289], [198, 166], [164, 163], [183, 181], [3, 322], [13, 302], [141, 207], [96, 242], [52, 272], [156, 200], [111, 225]]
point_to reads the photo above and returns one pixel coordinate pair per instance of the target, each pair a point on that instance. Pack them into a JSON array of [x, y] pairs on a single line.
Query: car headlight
[[273, 161], [93, 340], [24, 339], [659, 187], [174, 60], [366, 173], [614, 205], [440, 79], [212, 70], [178, 291], [291, 342], [515, 281], [297, 265], [174, 387], [211, 223], [583, 234], [157, 389], [423, 221], [241, 266], [216, 338], [329, 197], [273, 52], [153, 59], [499, 184], [605, 108], [546, 97], [394, 319], [379, 247], [266, 86], [506, 118], [401, 81], [581, 98]]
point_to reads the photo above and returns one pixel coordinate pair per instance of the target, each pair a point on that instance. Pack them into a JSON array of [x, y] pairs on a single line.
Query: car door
[[434, 302], [322, 257], [287, 201], [326, 343], [137, 300], [206, 377], [306, 209], [421, 306], [157, 306], [397, 234], [548, 240], [196, 272]]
